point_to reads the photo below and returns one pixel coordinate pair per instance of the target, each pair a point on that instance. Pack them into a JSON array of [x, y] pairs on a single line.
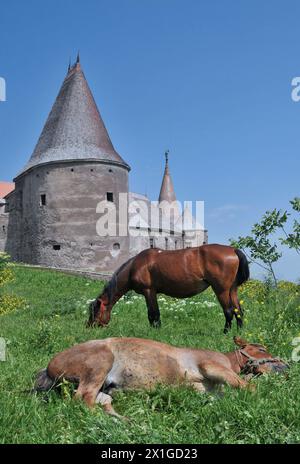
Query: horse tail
[[43, 382], [243, 272]]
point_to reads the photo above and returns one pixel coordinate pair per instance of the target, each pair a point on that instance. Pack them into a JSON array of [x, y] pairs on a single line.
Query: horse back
[[185, 272]]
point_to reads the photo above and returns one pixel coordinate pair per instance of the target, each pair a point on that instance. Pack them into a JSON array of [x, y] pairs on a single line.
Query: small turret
[[167, 192]]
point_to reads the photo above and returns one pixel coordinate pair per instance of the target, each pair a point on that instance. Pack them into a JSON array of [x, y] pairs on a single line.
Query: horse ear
[[240, 341]]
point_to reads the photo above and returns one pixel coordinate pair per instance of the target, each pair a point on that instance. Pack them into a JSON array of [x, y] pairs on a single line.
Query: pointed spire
[[69, 67], [167, 157], [78, 58], [74, 129], [167, 192], [167, 197]]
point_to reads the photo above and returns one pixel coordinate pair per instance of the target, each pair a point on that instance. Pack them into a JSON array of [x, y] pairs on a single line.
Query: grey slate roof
[[74, 129]]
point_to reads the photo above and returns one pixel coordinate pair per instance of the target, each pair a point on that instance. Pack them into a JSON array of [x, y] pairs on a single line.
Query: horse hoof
[[156, 324]]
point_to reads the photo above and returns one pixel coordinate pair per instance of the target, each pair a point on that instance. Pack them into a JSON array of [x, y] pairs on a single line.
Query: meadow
[[53, 319]]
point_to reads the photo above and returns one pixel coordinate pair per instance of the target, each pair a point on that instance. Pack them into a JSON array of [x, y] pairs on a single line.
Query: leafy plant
[[292, 239], [8, 303], [260, 248]]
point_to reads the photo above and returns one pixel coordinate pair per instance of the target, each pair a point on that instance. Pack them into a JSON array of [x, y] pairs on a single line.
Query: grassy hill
[[54, 319]]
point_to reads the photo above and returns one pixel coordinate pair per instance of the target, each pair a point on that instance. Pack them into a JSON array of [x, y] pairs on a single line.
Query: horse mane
[[110, 287]]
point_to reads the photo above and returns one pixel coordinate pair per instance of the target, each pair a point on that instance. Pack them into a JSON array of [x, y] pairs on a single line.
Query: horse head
[[253, 358], [100, 310]]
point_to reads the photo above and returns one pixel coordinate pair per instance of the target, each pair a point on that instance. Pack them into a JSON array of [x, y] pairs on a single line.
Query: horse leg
[[226, 303], [87, 391], [92, 378], [199, 387], [219, 374], [238, 312], [153, 309], [105, 401]]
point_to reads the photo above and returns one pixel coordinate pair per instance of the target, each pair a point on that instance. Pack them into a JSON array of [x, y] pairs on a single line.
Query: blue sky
[[209, 80]]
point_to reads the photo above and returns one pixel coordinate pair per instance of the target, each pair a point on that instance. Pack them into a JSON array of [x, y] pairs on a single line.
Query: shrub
[[8, 303], [255, 290], [6, 274], [288, 287]]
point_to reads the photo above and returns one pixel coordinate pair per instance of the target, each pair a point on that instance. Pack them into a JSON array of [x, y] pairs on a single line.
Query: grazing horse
[[180, 274], [99, 367]]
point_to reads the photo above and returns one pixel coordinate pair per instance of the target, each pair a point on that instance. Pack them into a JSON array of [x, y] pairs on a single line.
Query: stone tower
[[74, 166]]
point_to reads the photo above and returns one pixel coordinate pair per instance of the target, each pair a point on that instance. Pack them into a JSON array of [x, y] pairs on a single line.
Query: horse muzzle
[[279, 366], [265, 366]]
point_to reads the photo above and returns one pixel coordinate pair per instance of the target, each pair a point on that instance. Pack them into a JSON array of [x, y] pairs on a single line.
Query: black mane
[[111, 286]]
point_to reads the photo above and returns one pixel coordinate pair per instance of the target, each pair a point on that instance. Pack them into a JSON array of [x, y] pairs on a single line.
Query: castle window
[[56, 247], [167, 242], [151, 242], [43, 200], [110, 170], [110, 196], [3, 228], [171, 232], [115, 250], [176, 244]]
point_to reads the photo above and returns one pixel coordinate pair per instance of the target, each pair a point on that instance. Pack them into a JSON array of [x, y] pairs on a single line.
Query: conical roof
[[74, 129], [167, 192]]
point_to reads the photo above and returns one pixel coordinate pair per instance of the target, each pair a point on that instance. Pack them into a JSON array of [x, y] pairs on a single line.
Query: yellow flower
[[242, 302]]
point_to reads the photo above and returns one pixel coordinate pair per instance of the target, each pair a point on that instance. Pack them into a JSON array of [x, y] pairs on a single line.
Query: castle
[[50, 216]]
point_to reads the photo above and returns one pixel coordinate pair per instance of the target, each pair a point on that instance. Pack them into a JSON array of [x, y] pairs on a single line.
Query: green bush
[[8, 303]]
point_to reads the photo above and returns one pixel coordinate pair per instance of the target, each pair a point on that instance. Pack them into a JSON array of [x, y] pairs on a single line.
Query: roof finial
[[78, 58], [167, 156]]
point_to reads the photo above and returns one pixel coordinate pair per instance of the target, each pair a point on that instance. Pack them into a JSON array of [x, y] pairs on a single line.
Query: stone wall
[[3, 230], [62, 232], [144, 234]]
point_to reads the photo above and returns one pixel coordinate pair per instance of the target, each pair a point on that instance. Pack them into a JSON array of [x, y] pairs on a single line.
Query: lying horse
[[99, 367], [180, 274]]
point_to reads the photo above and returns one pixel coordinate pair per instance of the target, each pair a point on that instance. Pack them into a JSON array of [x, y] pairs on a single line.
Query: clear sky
[[208, 79]]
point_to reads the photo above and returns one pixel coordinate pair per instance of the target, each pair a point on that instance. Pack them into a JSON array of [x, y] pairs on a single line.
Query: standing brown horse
[[180, 274]]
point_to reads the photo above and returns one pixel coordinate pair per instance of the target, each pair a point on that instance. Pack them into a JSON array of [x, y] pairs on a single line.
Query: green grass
[[55, 319]]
